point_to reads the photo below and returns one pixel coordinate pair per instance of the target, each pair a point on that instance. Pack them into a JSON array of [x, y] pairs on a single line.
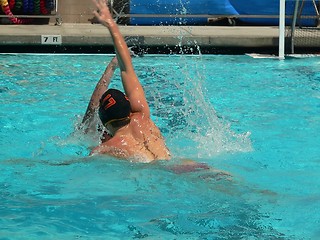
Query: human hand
[[103, 13]]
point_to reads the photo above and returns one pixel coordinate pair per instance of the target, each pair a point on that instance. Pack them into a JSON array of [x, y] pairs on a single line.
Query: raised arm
[[102, 86], [130, 82]]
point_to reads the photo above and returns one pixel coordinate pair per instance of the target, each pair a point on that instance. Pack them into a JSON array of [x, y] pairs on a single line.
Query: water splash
[[183, 11], [196, 128]]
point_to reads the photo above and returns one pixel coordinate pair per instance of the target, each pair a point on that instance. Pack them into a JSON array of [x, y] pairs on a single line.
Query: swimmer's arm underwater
[[190, 166], [101, 87]]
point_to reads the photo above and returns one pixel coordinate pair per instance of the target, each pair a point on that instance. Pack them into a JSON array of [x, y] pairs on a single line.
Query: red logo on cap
[[110, 100]]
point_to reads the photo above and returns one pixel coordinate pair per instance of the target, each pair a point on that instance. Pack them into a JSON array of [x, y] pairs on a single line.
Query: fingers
[[101, 6], [100, 3], [102, 13], [97, 15]]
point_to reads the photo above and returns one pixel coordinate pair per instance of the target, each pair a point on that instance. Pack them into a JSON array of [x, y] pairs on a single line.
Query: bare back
[[140, 140]]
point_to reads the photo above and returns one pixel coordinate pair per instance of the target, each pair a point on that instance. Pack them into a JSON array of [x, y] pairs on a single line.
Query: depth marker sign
[[51, 39]]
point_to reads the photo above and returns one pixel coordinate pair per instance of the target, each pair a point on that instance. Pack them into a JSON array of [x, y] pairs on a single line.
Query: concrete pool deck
[[93, 35]]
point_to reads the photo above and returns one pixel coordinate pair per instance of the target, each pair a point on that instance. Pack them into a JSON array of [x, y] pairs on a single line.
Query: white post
[[56, 10], [282, 18]]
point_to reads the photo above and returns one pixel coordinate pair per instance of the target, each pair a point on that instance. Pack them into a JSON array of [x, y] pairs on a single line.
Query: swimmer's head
[[114, 108]]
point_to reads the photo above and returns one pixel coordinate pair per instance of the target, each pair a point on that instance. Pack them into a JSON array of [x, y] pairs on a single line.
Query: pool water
[[257, 119]]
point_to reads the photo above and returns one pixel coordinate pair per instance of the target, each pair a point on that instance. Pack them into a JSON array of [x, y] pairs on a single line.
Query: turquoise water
[[258, 119]]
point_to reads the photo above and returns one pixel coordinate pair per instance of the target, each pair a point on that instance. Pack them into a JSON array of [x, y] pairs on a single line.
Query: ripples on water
[[204, 105]]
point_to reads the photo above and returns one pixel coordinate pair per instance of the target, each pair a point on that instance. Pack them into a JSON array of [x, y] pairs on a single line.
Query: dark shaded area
[[147, 49]]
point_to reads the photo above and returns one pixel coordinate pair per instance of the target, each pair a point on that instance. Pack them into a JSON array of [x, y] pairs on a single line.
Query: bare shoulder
[[141, 120], [140, 116], [141, 123]]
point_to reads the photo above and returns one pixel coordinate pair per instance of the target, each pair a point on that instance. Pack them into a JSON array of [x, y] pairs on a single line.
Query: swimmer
[[129, 131]]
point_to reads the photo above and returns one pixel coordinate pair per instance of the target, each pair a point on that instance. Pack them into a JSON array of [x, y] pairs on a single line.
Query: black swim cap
[[113, 105]]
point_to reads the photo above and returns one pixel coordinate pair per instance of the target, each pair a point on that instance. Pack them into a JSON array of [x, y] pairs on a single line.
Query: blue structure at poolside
[[214, 7], [271, 7], [178, 7]]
